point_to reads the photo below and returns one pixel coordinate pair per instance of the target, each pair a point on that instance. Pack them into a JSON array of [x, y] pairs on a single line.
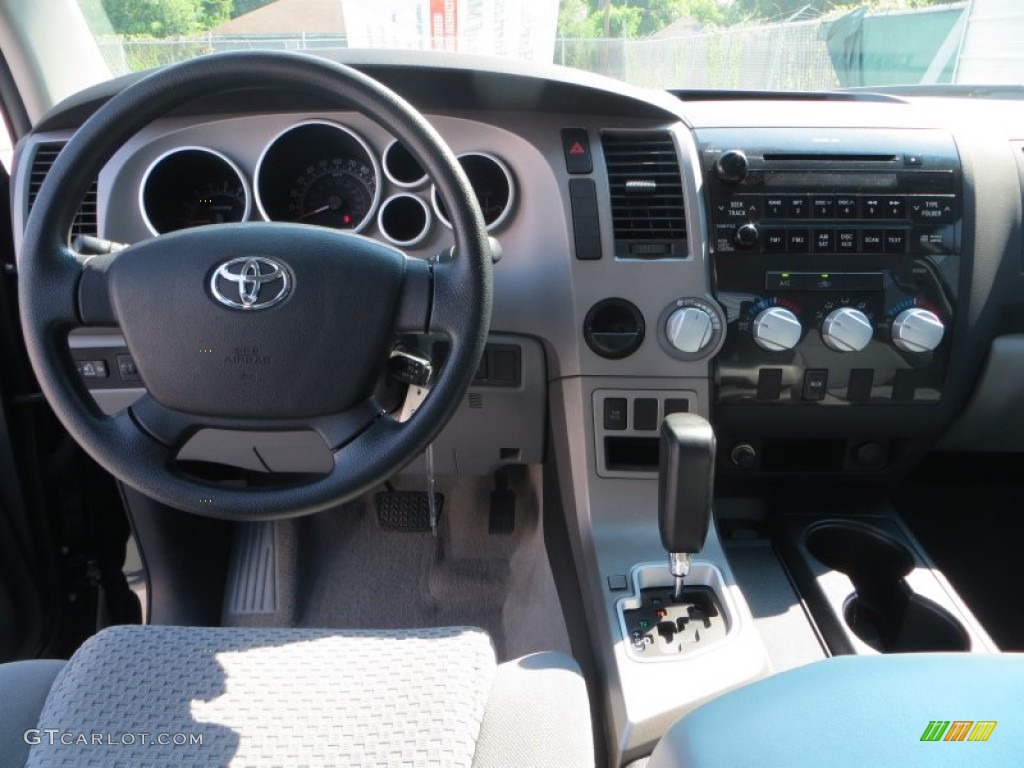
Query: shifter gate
[[662, 627]]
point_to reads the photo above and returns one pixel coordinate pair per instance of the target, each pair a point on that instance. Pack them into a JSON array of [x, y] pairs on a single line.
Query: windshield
[[778, 45]]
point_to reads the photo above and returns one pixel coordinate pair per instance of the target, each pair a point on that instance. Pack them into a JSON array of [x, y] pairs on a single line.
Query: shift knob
[[686, 477]]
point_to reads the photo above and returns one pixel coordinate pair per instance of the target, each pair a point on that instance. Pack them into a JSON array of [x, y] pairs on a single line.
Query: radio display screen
[[829, 180]]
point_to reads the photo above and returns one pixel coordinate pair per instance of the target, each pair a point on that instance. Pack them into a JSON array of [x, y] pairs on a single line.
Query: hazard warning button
[[577, 150]]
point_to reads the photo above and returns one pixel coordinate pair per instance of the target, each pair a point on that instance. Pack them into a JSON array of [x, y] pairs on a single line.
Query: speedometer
[[333, 193], [320, 173]]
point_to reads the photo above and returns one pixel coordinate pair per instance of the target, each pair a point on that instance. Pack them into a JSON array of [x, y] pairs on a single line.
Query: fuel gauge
[[193, 187], [215, 203]]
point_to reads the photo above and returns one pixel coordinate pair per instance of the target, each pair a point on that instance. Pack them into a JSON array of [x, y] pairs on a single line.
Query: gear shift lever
[[686, 476]]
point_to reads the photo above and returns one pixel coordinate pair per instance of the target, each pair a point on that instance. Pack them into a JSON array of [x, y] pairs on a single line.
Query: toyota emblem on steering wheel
[[258, 283]]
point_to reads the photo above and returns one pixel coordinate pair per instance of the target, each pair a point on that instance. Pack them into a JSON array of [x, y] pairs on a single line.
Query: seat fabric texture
[[184, 696]]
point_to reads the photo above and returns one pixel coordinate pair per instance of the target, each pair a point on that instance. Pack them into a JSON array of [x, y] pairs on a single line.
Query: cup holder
[[857, 549], [883, 611]]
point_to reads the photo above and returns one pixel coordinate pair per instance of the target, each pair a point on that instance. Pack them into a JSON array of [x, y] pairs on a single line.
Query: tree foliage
[[631, 18], [165, 18], [577, 19], [640, 18]]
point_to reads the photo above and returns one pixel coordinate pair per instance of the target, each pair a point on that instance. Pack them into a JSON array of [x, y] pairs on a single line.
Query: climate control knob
[[689, 329], [776, 329], [917, 330], [847, 330]]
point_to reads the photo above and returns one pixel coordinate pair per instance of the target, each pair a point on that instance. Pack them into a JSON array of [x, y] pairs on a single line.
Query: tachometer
[[191, 187], [318, 173]]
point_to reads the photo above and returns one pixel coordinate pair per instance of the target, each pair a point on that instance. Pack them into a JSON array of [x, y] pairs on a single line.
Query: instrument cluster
[[316, 172]]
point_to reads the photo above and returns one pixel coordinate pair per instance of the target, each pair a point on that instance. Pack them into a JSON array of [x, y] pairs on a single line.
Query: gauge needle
[[307, 214]]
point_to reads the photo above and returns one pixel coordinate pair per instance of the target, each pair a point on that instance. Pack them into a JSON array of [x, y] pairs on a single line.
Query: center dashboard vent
[[45, 154], [646, 188]]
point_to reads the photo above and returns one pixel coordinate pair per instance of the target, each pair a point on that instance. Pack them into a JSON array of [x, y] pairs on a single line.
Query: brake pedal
[[503, 506], [407, 511]]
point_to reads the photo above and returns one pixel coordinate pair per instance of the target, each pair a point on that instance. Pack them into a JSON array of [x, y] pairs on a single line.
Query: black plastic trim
[[429, 81], [185, 558]]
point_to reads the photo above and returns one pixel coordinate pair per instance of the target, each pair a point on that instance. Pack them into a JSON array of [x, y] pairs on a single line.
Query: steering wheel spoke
[[413, 312], [449, 296], [173, 429], [94, 305]]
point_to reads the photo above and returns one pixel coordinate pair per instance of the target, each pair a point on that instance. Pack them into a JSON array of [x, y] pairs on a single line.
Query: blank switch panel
[[626, 424]]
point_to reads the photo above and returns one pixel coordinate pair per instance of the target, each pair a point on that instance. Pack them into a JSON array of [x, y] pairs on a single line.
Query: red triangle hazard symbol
[[577, 149]]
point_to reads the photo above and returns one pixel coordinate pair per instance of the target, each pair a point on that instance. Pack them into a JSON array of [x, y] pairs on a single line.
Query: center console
[[821, 304]]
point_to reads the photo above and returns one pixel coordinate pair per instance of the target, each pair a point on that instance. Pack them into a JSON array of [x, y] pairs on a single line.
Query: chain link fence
[[776, 57], [134, 54], [781, 57]]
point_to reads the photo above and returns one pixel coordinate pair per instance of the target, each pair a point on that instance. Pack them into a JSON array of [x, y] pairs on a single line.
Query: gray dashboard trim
[[993, 420]]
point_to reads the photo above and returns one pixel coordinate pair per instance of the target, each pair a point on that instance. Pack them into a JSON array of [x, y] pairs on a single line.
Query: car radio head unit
[[836, 259]]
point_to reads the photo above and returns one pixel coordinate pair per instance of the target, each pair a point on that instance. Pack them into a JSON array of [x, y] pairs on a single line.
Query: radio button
[[847, 208], [775, 241], [798, 240], [896, 241], [746, 236], [933, 209], [774, 207], [895, 207], [823, 207], [824, 241], [797, 207], [846, 241], [732, 166], [744, 207], [872, 241], [872, 208]]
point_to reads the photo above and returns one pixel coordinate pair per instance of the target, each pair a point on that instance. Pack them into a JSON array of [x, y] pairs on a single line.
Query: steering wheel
[[254, 326]]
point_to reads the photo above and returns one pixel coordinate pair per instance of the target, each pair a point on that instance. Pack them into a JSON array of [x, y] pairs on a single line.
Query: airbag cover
[[252, 341]]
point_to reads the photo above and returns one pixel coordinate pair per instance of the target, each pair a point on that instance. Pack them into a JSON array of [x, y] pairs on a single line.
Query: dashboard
[[822, 275]]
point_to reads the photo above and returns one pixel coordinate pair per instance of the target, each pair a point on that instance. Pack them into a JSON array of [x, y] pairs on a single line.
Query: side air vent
[[646, 194], [45, 155]]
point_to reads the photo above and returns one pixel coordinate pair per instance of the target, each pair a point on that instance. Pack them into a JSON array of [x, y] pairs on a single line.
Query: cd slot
[[781, 157]]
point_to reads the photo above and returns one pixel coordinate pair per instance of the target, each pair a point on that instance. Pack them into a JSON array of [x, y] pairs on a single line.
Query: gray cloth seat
[[183, 696], [856, 711]]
